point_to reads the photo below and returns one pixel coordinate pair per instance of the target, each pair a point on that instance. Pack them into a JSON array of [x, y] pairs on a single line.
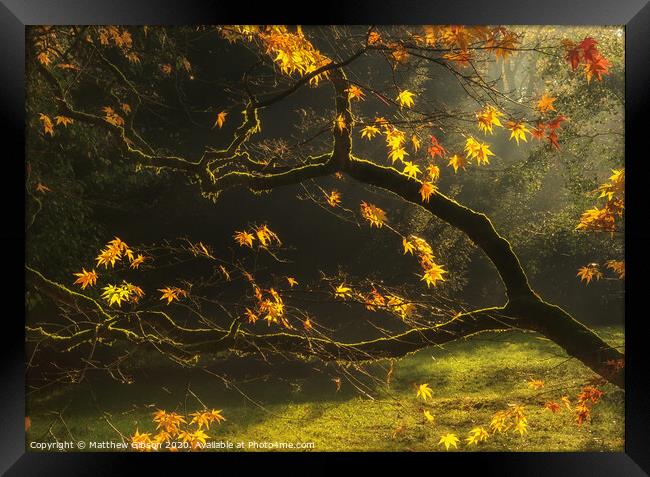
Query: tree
[[118, 81]]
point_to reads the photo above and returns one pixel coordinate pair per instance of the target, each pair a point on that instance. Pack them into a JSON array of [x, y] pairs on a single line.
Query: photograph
[[325, 238]]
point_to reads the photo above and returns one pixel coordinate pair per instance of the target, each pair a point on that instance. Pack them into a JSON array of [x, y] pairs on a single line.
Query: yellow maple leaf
[[411, 170], [340, 123], [536, 384], [171, 293], [434, 172], [397, 154], [478, 150], [424, 392], [405, 98], [137, 261], [518, 131], [292, 281], [487, 118], [369, 131], [476, 435], [427, 414], [457, 162], [342, 291], [449, 440], [48, 127], [408, 246], [433, 274], [416, 143], [618, 267], [244, 238]]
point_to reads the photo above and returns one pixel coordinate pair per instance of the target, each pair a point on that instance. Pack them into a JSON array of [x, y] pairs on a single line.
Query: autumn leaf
[[42, 188], [333, 198], [340, 123], [476, 435], [415, 142], [424, 392], [85, 278], [411, 170], [589, 272], [137, 261], [48, 127], [342, 291], [354, 92], [535, 384], [292, 281], [63, 120], [518, 131], [426, 190], [221, 119], [487, 118], [433, 171], [436, 149], [478, 150], [374, 38], [457, 162], [369, 132], [521, 427], [244, 239], [545, 103], [408, 246], [405, 98], [114, 294], [433, 274], [618, 267], [373, 214], [112, 117], [171, 293], [427, 414], [449, 440], [552, 406], [397, 154]]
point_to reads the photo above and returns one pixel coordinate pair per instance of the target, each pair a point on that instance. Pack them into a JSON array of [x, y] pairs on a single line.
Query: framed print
[[395, 229]]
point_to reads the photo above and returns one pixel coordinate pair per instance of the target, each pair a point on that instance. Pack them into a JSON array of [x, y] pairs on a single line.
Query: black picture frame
[[634, 14]]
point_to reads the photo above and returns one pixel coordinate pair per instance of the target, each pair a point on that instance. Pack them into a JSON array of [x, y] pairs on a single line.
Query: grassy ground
[[471, 380]]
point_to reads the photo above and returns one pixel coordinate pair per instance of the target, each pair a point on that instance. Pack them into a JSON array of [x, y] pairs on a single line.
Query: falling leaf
[[292, 281]]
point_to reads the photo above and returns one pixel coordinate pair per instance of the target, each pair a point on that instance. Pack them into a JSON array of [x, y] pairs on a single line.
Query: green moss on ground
[[471, 380]]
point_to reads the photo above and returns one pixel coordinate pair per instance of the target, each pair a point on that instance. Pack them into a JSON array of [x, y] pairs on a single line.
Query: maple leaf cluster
[[118, 37], [604, 219], [586, 54], [291, 51], [269, 306], [433, 273], [264, 236], [171, 426]]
